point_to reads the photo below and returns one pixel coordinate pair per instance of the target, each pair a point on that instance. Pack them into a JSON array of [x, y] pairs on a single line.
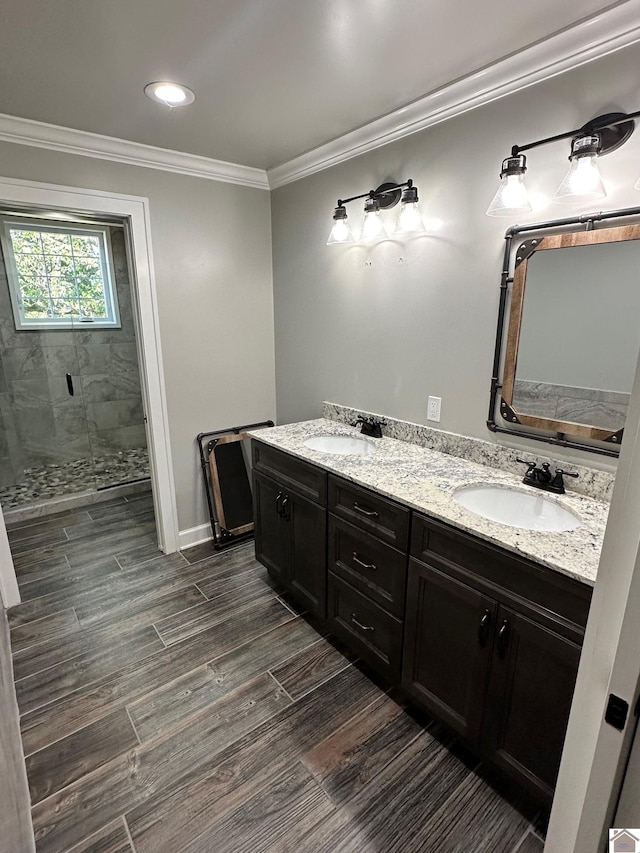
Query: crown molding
[[70, 141], [591, 39]]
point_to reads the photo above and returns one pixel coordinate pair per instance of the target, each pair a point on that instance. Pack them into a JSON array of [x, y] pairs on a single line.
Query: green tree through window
[[59, 276]]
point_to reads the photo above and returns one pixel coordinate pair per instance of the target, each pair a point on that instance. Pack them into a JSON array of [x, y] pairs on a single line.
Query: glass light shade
[[410, 219], [511, 198], [582, 182], [373, 226], [341, 232]]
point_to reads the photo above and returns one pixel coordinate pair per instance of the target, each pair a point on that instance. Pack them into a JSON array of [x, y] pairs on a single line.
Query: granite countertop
[[425, 480]]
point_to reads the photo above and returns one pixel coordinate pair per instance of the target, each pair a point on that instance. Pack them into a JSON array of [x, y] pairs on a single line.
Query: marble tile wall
[[591, 481], [41, 425], [606, 409]]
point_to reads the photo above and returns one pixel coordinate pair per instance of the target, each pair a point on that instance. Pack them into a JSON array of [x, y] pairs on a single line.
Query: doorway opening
[[72, 417]]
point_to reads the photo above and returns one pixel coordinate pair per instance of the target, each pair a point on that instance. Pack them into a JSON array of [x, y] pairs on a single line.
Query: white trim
[[588, 40], [194, 536], [9, 592], [68, 140], [595, 753], [592, 39], [136, 210]]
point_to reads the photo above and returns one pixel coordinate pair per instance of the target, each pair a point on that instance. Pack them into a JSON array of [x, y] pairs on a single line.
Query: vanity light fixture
[[372, 227], [511, 196], [582, 182], [169, 94], [387, 195], [410, 219], [341, 231]]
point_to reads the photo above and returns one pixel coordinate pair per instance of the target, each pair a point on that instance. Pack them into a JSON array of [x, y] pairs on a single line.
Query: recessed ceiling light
[[169, 94]]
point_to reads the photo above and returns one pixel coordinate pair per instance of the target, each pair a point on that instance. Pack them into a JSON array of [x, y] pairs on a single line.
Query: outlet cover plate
[[433, 408]]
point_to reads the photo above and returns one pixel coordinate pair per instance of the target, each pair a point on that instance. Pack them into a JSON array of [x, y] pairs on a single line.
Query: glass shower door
[[110, 378]]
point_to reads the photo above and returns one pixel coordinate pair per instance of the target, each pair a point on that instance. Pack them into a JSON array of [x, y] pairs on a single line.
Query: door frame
[[135, 210], [595, 753]]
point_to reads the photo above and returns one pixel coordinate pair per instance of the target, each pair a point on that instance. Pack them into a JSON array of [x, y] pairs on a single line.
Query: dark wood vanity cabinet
[[289, 498], [484, 640], [367, 562], [492, 644]]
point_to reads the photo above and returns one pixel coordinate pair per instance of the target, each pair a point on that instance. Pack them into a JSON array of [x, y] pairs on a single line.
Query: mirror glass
[[573, 334]]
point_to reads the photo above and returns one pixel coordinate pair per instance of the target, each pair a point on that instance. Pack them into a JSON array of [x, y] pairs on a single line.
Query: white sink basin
[[528, 511], [342, 445]]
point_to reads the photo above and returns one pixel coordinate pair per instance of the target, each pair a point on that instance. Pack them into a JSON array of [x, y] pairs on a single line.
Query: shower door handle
[[70, 385]]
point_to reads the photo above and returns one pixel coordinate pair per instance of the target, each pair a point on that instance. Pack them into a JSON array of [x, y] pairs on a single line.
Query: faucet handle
[[531, 465], [557, 485]]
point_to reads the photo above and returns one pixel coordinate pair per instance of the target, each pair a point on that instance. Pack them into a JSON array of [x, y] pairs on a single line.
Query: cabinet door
[[271, 528], [307, 524], [447, 647], [533, 674]]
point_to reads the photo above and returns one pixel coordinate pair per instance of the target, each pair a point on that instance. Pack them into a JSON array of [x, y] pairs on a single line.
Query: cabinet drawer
[[506, 576], [308, 480], [368, 511], [374, 568], [368, 629]]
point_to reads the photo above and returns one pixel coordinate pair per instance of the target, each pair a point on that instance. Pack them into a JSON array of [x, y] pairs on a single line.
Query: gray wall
[[212, 251], [382, 328], [40, 424]]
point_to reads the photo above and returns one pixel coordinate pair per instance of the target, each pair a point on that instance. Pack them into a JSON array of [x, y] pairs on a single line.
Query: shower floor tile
[[51, 481]]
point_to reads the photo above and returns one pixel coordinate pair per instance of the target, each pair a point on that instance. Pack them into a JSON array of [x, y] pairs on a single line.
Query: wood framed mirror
[[568, 331]]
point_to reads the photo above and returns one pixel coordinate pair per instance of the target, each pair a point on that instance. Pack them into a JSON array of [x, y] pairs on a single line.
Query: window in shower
[[59, 276]]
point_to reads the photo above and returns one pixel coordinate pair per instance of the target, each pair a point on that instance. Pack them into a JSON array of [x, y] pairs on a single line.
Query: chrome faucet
[[542, 478]]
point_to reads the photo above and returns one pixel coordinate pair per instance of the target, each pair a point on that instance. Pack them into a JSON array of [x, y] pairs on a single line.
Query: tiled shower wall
[[40, 423]]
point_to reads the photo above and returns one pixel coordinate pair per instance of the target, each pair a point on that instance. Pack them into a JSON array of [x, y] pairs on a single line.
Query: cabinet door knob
[[360, 625], [483, 627], [279, 504], [361, 563], [503, 638], [370, 513]]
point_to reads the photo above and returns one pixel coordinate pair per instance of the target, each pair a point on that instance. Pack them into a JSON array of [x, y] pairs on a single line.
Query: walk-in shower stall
[[71, 410]]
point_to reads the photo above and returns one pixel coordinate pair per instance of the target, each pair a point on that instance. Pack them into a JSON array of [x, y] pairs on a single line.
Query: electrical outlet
[[433, 408]]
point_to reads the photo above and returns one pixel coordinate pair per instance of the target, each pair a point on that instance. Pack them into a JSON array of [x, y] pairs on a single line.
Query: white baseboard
[[194, 536]]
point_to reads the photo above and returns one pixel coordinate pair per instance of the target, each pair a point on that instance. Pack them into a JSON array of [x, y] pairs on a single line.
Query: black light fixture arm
[[381, 192], [604, 122]]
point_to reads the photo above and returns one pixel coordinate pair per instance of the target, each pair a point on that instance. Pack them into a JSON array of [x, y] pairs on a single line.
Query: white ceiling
[[273, 78]]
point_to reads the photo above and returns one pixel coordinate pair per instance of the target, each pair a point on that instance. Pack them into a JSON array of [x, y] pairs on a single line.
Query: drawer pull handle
[[360, 625], [286, 512], [370, 513], [503, 638], [483, 627], [279, 497], [364, 565]]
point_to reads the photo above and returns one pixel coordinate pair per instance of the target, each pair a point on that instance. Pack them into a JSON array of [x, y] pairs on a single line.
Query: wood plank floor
[[177, 703]]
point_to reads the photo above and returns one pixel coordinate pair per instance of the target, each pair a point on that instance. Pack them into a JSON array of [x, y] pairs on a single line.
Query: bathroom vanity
[[480, 624]]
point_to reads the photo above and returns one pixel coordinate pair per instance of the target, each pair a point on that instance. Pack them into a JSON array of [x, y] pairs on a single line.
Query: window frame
[[22, 323]]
